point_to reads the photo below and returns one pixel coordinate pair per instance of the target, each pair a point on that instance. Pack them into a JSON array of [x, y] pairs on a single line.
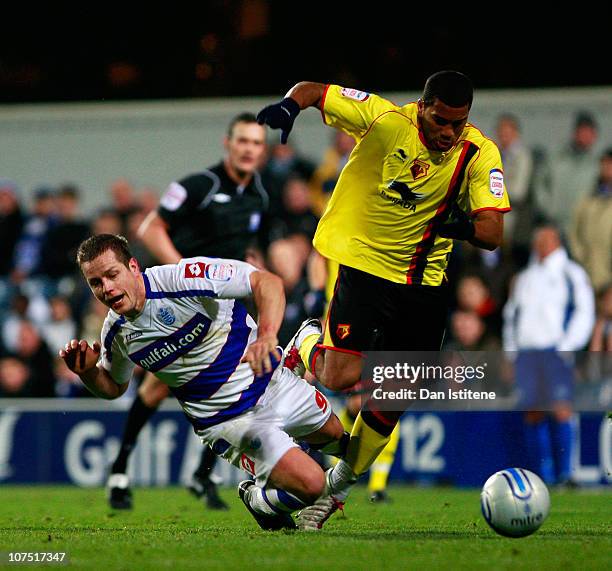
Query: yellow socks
[[379, 471], [306, 348], [364, 447]]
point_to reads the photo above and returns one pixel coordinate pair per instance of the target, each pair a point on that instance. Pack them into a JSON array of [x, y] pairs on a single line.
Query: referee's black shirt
[[208, 214]]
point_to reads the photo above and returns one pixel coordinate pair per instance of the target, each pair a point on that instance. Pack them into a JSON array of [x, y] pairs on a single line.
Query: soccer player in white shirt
[[184, 323]]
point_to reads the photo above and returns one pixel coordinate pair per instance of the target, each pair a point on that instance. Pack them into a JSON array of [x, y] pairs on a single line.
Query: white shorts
[[256, 440]]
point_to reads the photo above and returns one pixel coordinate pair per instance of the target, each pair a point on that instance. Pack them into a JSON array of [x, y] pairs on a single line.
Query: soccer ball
[[514, 502]]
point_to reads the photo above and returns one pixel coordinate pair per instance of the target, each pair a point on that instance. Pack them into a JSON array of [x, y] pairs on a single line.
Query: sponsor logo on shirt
[[195, 270], [496, 183], [355, 94], [408, 198], [134, 335], [166, 315], [168, 349], [219, 272]]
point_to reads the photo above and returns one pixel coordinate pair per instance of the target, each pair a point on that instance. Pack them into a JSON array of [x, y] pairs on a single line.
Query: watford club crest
[[343, 330], [419, 169]]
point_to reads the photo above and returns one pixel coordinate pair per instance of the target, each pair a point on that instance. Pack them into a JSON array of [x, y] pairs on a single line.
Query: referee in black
[[219, 212]]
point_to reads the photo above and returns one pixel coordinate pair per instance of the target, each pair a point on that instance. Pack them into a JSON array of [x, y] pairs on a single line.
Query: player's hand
[[79, 356], [459, 225], [263, 355], [280, 116]]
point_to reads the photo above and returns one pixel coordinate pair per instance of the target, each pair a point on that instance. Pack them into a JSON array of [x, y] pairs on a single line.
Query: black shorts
[[371, 313]]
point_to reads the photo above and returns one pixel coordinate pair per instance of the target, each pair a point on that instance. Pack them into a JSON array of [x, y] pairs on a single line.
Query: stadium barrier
[[74, 441]]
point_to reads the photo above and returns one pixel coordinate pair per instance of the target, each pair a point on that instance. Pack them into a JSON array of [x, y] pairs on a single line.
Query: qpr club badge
[[166, 315]]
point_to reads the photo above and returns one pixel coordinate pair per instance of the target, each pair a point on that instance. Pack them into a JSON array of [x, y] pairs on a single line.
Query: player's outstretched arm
[[282, 115], [82, 360], [269, 298]]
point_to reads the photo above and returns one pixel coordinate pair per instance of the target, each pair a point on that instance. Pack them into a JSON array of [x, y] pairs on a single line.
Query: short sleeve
[[114, 358], [215, 277], [352, 111], [486, 187]]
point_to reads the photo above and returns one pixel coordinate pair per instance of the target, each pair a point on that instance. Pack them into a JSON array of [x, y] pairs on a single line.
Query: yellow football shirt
[[394, 192]]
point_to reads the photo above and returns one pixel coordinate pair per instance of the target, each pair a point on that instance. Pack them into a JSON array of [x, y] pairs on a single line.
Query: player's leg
[[150, 395], [379, 471], [536, 428], [356, 315], [202, 484], [415, 319], [560, 384], [296, 480]]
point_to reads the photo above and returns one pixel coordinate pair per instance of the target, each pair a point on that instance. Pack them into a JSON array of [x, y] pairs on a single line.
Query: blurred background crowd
[[44, 300]]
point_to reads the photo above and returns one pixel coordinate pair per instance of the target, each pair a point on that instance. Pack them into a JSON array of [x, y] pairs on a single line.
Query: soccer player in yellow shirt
[[419, 177]]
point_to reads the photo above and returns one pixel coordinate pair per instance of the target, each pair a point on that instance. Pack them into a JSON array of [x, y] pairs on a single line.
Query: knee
[[340, 379], [153, 394], [312, 485]]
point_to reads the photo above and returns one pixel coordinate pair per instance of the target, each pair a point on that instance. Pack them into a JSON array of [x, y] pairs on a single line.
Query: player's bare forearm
[[489, 230], [307, 94], [269, 296], [154, 235], [82, 359], [101, 384]]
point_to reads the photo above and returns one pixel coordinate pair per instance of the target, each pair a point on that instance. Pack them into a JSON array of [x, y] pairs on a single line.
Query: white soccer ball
[[514, 502]]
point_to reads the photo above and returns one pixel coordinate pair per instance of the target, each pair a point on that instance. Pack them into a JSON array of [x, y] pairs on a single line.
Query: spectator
[[60, 249], [283, 163], [107, 221], [11, 224], [518, 165], [92, 321], [591, 234], [327, 173], [23, 308], [298, 220], [124, 201], [600, 350], [28, 251], [572, 174], [15, 379], [494, 267], [289, 251], [602, 332], [550, 311], [148, 200], [139, 250], [469, 333], [474, 295], [60, 326], [35, 356]]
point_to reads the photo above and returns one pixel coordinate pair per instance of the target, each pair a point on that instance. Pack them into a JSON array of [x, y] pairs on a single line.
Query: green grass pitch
[[424, 528]]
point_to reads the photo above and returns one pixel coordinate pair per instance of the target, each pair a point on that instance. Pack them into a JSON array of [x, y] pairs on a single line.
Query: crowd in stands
[[44, 301]]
